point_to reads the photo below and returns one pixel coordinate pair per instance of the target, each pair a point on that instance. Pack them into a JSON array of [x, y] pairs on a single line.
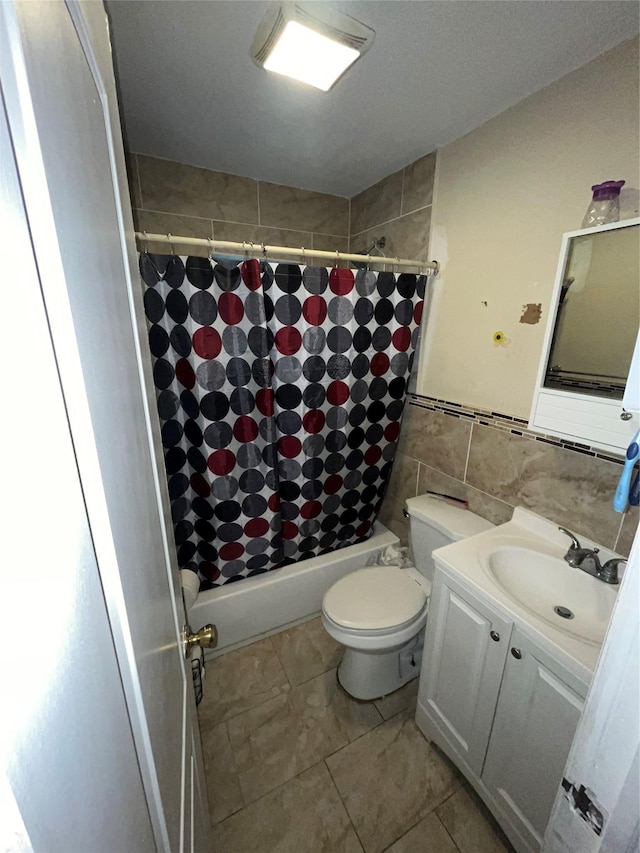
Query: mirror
[[597, 313], [584, 391]]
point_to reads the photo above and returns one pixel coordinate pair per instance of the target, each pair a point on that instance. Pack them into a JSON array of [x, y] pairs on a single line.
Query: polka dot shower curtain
[[280, 390]]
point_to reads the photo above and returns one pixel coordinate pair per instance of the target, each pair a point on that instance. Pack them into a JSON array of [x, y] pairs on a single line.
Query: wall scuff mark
[[531, 313]]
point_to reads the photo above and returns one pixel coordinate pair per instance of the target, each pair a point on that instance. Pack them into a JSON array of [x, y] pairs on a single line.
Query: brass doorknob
[[206, 638]]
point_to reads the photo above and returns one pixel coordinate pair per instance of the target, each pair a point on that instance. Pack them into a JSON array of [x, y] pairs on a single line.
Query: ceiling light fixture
[[314, 45]]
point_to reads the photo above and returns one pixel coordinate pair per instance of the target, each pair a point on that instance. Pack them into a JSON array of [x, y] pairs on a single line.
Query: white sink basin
[[540, 581]]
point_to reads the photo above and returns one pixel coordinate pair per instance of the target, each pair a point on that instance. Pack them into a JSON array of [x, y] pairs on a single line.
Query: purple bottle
[[605, 204]]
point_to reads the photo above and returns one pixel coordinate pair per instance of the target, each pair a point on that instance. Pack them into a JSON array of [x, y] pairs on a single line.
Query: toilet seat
[[373, 635], [375, 599]]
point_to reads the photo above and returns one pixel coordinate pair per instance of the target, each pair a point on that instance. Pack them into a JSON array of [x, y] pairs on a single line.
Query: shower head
[[376, 245]]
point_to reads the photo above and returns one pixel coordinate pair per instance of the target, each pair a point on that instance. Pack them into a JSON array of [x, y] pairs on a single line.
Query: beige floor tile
[[306, 651], [223, 785], [399, 700], [389, 779], [282, 737], [428, 836], [241, 680], [472, 830], [303, 816]]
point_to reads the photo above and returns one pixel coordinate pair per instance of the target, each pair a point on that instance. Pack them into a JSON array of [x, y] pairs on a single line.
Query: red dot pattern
[[280, 393]]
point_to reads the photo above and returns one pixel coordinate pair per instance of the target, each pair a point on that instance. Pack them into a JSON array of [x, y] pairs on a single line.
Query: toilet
[[379, 612]]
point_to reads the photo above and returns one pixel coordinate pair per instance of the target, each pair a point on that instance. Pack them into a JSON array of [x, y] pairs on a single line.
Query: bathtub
[[248, 610]]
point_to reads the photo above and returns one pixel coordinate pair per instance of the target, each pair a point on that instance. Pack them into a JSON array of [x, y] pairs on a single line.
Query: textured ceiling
[[190, 91]]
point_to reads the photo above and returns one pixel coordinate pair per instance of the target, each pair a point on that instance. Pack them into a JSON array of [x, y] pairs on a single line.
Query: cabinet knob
[[495, 636], [625, 416], [516, 653]]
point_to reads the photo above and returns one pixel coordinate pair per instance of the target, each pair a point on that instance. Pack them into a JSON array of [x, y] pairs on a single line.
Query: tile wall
[[493, 462], [496, 464], [398, 208], [169, 197]]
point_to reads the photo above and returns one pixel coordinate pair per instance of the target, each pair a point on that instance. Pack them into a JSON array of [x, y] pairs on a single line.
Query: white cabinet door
[[465, 649], [538, 711]]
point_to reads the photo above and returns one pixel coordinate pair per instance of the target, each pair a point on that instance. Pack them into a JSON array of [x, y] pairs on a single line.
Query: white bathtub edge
[[252, 609]]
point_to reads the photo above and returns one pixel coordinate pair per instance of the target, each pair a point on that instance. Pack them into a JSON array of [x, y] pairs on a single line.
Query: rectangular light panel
[[308, 56]]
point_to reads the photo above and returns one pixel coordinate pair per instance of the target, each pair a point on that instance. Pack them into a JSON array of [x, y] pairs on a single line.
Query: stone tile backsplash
[[406, 237], [496, 464], [288, 207], [191, 191], [570, 488], [379, 203], [155, 222], [183, 200], [398, 208], [417, 188], [437, 440]]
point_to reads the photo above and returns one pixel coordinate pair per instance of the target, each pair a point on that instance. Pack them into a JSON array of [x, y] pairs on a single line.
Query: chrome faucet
[[587, 559]]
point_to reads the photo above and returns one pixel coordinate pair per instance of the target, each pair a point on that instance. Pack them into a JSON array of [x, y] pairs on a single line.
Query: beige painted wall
[[504, 195]]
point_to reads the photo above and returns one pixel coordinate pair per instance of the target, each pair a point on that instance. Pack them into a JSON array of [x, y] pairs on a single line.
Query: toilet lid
[[376, 597]]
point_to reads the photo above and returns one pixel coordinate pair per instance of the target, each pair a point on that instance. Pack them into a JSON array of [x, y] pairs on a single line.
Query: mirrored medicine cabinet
[[588, 387]]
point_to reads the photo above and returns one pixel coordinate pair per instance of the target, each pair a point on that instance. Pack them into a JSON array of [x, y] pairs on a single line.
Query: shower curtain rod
[[262, 250]]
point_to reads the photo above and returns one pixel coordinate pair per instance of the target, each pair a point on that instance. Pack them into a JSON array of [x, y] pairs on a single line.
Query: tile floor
[[294, 765]]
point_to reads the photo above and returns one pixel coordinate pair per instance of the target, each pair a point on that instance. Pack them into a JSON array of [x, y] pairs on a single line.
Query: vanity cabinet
[[466, 643], [499, 706], [537, 713]]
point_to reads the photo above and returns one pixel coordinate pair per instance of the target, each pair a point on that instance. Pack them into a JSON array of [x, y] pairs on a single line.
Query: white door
[[59, 95], [538, 711], [465, 648], [596, 806], [65, 727]]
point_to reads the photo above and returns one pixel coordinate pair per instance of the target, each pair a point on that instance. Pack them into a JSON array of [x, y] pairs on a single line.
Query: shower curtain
[[280, 390]]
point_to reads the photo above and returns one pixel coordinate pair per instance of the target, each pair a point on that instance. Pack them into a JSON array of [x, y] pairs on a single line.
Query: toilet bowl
[[378, 613]]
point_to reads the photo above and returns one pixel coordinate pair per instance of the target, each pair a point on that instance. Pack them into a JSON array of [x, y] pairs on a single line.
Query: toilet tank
[[434, 523]]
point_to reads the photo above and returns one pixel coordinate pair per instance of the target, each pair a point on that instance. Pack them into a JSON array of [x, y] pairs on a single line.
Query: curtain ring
[[146, 243], [264, 250], [170, 243], [210, 242]]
